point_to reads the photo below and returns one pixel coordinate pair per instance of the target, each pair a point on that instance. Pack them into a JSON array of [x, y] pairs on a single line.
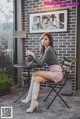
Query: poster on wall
[[55, 21]]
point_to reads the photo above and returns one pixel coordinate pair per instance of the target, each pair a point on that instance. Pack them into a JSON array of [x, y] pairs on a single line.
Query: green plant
[[5, 63], [5, 82], [70, 59]]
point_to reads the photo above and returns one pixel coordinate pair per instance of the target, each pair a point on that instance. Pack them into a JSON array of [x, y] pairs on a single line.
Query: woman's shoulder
[[49, 48]]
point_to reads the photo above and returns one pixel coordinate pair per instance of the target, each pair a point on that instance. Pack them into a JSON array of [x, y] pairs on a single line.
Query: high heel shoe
[[34, 105], [26, 100]]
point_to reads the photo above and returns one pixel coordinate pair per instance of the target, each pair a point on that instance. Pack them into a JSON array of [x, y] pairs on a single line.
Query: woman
[[54, 73]]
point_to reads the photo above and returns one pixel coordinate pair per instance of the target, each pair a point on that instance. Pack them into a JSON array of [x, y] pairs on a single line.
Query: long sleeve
[[48, 57], [44, 58]]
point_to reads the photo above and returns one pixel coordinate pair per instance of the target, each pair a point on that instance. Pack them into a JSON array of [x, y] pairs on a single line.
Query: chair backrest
[[67, 67]]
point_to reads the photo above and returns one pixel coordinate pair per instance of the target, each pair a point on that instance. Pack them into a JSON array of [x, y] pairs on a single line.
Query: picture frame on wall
[[55, 21]]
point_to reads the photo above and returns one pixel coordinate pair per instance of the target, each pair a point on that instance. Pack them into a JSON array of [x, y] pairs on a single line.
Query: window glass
[[6, 32]]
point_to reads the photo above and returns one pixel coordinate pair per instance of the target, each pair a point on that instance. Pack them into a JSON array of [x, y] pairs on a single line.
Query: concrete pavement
[[57, 110]]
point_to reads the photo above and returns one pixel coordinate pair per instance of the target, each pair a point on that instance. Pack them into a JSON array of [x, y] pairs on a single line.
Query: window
[[6, 29]]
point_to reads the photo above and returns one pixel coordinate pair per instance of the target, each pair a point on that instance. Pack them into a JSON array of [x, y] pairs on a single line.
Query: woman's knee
[[34, 77], [37, 79], [34, 74]]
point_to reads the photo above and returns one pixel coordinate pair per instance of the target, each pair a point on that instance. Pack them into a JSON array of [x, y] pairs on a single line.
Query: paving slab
[[57, 110]]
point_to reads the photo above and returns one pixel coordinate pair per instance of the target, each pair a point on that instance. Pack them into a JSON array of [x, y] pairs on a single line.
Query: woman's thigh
[[48, 75], [40, 79], [43, 74]]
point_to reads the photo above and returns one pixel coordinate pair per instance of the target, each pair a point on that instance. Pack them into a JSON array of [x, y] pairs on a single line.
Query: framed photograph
[[55, 21]]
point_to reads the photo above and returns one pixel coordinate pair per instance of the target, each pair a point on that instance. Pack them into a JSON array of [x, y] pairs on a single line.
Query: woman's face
[[45, 41]]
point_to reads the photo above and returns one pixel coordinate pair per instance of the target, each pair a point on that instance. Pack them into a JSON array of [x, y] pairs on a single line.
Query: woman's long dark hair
[[42, 49]]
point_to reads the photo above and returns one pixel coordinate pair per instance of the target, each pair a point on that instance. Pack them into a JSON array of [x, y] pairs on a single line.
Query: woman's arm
[[28, 52], [44, 58]]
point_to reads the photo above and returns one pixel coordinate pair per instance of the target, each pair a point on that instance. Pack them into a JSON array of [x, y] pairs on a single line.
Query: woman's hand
[[28, 52]]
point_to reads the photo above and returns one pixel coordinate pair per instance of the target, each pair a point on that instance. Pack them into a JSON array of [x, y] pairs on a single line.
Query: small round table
[[23, 66]]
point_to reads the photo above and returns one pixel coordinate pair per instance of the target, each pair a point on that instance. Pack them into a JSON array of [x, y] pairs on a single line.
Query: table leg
[[25, 87]]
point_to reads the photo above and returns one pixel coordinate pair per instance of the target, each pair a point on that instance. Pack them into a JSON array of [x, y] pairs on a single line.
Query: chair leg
[[48, 95], [57, 94]]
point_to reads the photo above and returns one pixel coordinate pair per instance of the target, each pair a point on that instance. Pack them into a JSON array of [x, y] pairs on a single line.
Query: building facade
[[66, 43]]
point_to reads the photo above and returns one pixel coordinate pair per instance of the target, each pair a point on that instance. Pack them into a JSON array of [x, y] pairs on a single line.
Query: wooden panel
[[19, 34]]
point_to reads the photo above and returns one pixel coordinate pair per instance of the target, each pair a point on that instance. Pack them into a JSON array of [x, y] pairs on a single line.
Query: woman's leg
[[29, 95], [44, 74], [36, 87], [53, 76]]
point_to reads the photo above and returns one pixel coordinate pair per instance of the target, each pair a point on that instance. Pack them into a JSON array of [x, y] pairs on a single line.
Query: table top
[[22, 65]]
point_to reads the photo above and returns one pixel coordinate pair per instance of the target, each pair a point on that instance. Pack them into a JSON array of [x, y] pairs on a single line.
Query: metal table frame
[[23, 66]]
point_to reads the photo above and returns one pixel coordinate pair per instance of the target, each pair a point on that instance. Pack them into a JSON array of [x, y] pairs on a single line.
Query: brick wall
[[64, 42]]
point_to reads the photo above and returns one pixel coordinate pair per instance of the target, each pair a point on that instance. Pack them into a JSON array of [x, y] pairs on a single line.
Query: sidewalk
[[57, 110]]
